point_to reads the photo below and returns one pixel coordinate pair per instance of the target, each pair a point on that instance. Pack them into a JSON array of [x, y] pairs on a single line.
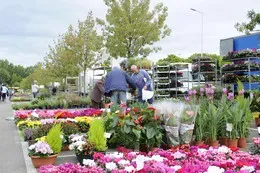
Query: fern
[[96, 135], [54, 139]]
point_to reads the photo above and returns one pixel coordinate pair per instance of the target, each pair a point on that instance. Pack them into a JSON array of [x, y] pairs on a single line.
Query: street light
[[201, 55]]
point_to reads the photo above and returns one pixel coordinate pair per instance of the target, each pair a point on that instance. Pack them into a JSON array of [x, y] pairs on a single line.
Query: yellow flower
[[42, 139]]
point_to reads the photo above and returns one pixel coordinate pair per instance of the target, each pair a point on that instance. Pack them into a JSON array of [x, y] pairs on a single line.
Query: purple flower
[[224, 91], [190, 92], [202, 90], [187, 99], [210, 91], [194, 92], [241, 92], [230, 96]]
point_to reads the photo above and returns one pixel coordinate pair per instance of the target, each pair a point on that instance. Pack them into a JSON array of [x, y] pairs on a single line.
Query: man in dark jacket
[[116, 85], [97, 94]]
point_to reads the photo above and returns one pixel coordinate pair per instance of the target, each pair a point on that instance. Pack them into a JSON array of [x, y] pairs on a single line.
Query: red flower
[[151, 108], [234, 149], [135, 109]]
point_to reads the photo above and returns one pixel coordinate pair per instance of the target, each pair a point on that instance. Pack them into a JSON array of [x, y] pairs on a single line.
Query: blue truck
[[251, 41]]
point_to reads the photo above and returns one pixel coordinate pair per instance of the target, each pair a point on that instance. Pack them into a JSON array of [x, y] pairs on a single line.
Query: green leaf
[[150, 132], [137, 133], [130, 123], [127, 129]]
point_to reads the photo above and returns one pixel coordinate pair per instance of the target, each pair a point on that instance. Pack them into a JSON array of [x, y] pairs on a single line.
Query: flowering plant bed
[[182, 160], [44, 114]]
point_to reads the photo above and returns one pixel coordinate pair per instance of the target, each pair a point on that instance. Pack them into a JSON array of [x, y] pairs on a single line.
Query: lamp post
[[201, 44]]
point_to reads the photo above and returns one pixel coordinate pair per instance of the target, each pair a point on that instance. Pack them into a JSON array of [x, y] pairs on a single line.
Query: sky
[[28, 27]]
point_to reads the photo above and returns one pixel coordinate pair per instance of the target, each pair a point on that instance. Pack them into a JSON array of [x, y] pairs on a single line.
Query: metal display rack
[[246, 72], [207, 76], [168, 80], [102, 71]]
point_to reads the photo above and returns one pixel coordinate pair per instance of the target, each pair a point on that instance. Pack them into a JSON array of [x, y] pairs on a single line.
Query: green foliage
[[96, 135], [132, 27], [54, 139], [254, 21], [40, 131], [171, 59], [144, 63]]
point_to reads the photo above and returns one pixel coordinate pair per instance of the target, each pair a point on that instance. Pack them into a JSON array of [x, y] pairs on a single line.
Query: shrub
[[41, 131], [96, 135], [54, 139]]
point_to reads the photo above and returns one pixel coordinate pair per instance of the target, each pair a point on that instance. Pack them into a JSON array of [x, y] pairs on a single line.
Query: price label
[[229, 127]]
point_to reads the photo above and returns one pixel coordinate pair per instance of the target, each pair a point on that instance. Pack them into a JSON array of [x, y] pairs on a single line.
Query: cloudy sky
[[27, 27]]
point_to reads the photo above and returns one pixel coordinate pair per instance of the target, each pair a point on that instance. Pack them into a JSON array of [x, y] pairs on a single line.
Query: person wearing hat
[[142, 81], [35, 89], [97, 94]]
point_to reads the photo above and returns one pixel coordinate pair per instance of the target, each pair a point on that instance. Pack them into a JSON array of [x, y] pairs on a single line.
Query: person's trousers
[[97, 105], [34, 95], [3, 96], [118, 97]]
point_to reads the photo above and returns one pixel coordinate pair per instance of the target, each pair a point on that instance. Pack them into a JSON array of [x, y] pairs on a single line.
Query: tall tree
[[132, 27], [254, 21], [86, 44]]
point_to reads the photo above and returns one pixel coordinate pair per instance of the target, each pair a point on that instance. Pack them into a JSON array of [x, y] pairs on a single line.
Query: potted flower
[[46, 152], [255, 149], [68, 129], [82, 147]]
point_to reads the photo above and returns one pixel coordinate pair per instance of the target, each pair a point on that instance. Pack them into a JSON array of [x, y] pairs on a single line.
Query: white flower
[[44, 151], [176, 167], [89, 162], [129, 169], [215, 169], [123, 162], [224, 149], [248, 168], [32, 147], [111, 166], [140, 159], [116, 155], [107, 135], [178, 155], [202, 150], [34, 114], [71, 120], [157, 158]]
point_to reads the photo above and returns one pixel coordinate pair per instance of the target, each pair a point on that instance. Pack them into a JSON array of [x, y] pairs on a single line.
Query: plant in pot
[[255, 149], [49, 148], [212, 118], [255, 108], [82, 147], [96, 135], [68, 128]]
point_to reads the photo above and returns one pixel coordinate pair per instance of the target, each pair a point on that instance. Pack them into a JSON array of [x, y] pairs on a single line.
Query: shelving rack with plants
[[208, 68], [177, 78], [161, 80], [245, 66]]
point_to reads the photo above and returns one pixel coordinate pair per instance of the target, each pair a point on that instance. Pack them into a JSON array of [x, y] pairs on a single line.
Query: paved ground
[[12, 158]]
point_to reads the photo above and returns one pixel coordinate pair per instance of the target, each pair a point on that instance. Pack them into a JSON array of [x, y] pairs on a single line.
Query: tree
[[254, 21], [4, 76], [171, 59], [86, 44], [132, 27]]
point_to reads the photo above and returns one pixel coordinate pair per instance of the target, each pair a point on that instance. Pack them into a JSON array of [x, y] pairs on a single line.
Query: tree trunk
[[84, 82]]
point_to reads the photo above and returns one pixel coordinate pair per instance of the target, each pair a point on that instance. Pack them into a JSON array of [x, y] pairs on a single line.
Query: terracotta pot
[[242, 142], [81, 157], [198, 143], [39, 161], [65, 147], [232, 142], [223, 141], [257, 122], [213, 143]]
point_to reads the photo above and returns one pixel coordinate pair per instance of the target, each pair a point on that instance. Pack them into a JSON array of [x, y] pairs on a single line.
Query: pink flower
[[194, 92], [230, 96], [241, 92], [187, 99], [224, 91], [202, 90], [190, 92]]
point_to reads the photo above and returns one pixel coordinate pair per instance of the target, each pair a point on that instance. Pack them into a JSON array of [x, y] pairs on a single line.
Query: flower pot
[[257, 122], [39, 161], [223, 141], [242, 142], [81, 157], [198, 143], [65, 147], [232, 142], [213, 143]]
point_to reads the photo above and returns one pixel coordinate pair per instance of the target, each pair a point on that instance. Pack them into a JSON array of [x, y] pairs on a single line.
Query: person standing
[[116, 85], [1, 92], [4, 92], [35, 89], [97, 94], [142, 81]]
